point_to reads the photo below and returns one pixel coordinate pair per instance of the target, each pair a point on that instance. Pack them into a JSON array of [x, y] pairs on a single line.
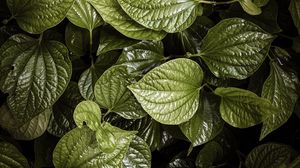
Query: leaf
[[33, 74], [170, 93], [122, 22], [295, 163], [36, 16], [228, 54], [27, 131], [205, 124], [271, 155], [168, 15], [138, 154], [180, 161], [110, 40], [111, 93], [61, 120], [79, 148], [83, 14], [143, 56], [260, 3], [250, 7], [209, 154], [88, 112], [242, 108], [294, 9], [90, 76], [10, 156], [281, 88], [267, 20]]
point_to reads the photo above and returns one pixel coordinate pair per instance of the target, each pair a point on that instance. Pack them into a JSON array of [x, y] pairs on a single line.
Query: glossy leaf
[[235, 48], [142, 57], [81, 143], [88, 112], [111, 92], [138, 154], [269, 155], [170, 93], [36, 16], [281, 88], [168, 15], [242, 108], [83, 14], [34, 74], [205, 124], [61, 120], [209, 154], [10, 156], [250, 7], [294, 9], [122, 22], [28, 131], [90, 76], [111, 39]]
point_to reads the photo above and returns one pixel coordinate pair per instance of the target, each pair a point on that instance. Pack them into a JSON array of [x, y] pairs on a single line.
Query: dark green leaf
[[242, 108], [209, 154], [34, 74], [250, 7], [112, 13], [235, 48], [36, 16], [170, 93], [260, 3], [295, 163], [294, 9], [10, 157]]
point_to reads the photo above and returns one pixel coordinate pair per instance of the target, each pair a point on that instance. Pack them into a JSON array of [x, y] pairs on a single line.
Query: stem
[[91, 46], [207, 85], [40, 39], [189, 55], [217, 3], [5, 21]]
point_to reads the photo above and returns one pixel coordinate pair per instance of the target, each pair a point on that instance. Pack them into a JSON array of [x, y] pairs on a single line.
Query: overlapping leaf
[[10, 156], [294, 9]]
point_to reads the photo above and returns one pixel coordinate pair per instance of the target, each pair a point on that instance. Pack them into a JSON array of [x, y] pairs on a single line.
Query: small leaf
[[294, 9], [10, 156], [242, 108], [138, 154], [34, 74], [111, 92], [111, 39], [88, 112], [269, 155], [122, 22], [142, 57], [37, 16], [170, 93], [205, 124], [229, 54], [83, 14], [209, 154], [168, 15], [250, 7], [28, 131], [281, 88]]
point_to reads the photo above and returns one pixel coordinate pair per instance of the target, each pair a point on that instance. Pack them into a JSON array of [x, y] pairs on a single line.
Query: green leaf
[[250, 7], [143, 56], [79, 148], [138, 154], [281, 88], [209, 154], [36, 16], [112, 13], [110, 40], [168, 15], [295, 163], [294, 9], [84, 15], [242, 108], [271, 155], [228, 54], [77, 40], [205, 124], [170, 93], [34, 74], [260, 3], [88, 112], [61, 120], [180, 161], [90, 76], [111, 92], [10, 157], [27, 131]]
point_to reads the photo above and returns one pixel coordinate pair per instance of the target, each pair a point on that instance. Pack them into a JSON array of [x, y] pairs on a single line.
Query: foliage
[[154, 83]]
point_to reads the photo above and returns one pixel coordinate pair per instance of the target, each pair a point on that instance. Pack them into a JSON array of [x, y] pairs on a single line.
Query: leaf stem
[[40, 39], [5, 21], [217, 3], [91, 46], [207, 85]]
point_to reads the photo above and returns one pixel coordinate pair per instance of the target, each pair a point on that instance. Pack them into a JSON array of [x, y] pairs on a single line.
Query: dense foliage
[[141, 83]]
